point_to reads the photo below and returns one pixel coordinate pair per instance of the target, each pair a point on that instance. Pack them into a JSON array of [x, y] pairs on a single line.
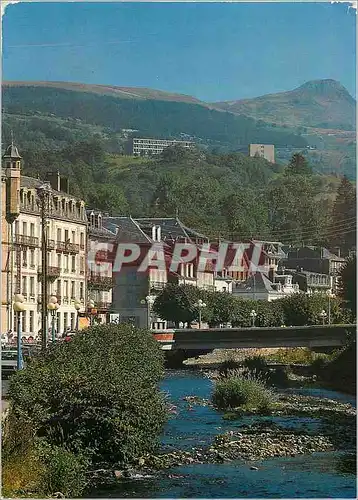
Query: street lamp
[[52, 306], [19, 307], [149, 300], [91, 307], [200, 305], [43, 193], [253, 315], [78, 306], [323, 315]]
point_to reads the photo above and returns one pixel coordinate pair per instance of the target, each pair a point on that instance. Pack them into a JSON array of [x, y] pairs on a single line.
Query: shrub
[[256, 363], [226, 366], [235, 391], [96, 395], [64, 471]]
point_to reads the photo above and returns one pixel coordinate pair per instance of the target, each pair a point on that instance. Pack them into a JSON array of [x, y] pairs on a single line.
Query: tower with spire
[[11, 165]]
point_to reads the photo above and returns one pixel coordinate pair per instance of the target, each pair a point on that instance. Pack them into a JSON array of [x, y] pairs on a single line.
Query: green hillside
[[149, 117], [319, 104]]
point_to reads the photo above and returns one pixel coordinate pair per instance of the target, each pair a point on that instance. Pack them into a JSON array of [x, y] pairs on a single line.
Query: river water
[[318, 475]]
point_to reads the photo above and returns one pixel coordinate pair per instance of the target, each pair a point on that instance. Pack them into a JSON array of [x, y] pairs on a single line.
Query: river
[[318, 475]]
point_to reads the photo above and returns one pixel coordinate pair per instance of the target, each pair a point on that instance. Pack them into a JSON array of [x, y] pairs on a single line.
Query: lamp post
[[19, 307], [330, 295], [78, 306], [253, 315], [52, 306], [91, 306], [43, 193], [323, 316], [199, 306], [149, 300]]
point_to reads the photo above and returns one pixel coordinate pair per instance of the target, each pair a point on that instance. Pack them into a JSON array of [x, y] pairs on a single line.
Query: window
[[81, 290], [73, 263], [66, 263], [73, 236], [65, 321], [32, 229], [24, 285], [49, 258], [59, 261], [82, 241], [32, 258], [73, 321], [82, 265], [65, 289], [17, 227], [66, 234], [24, 258], [24, 228], [59, 234], [24, 322], [58, 293], [32, 286], [73, 289], [31, 323]]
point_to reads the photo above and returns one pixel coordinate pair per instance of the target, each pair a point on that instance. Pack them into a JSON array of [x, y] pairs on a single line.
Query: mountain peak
[[324, 87]]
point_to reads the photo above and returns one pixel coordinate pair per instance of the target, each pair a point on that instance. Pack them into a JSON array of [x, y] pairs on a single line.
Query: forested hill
[[31, 111], [221, 195]]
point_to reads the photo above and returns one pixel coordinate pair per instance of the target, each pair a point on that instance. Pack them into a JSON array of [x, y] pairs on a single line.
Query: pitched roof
[[171, 227], [12, 152], [33, 183], [126, 229]]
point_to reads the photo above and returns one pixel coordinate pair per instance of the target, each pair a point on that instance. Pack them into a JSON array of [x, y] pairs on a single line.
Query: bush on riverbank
[[248, 393], [96, 398]]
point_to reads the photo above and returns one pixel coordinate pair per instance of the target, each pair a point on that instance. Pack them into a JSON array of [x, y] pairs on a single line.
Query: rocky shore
[[259, 440]]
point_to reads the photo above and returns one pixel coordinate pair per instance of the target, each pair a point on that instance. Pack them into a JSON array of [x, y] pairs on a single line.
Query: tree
[[344, 219], [108, 198], [96, 395], [220, 308], [177, 303], [298, 165], [348, 284]]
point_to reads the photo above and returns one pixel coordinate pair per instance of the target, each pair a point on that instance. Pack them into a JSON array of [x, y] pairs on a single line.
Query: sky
[[213, 51]]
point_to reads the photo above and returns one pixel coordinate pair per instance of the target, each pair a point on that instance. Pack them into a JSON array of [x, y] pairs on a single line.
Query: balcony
[[103, 306], [103, 256], [52, 272], [157, 285], [27, 241], [98, 282], [66, 247]]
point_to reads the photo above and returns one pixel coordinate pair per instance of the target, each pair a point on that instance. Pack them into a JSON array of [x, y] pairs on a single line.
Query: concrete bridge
[[321, 336]]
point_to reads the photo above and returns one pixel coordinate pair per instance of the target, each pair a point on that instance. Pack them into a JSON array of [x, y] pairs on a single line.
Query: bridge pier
[[175, 358]]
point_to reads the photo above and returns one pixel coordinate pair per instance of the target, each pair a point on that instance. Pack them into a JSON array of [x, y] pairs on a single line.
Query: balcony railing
[[157, 285], [97, 282], [52, 272], [103, 306], [29, 241], [64, 246]]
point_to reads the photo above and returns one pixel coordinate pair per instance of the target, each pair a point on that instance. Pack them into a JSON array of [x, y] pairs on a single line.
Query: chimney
[[54, 179], [64, 185]]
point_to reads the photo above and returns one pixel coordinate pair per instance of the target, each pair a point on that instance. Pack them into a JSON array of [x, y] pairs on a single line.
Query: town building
[[262, 286], [65, 221], [316, 260], [134, 291], [100, 264], [266, 151], [310, 282], [148, 147]]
